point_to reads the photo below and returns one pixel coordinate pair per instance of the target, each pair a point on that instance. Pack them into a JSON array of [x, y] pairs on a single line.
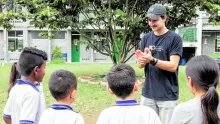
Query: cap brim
[[153, 16]]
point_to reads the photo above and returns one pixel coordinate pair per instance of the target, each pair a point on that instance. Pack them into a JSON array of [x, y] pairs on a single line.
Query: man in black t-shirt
[[160, 54]]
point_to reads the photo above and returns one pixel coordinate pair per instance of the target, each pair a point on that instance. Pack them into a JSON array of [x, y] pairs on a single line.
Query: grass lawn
[[92, 99], [215, 56]]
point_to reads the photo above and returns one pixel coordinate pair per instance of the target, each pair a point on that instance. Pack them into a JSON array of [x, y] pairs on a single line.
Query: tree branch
[[128, 57], [134, 6]]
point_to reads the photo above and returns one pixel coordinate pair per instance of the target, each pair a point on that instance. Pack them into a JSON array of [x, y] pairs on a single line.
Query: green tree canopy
[[119, 23]]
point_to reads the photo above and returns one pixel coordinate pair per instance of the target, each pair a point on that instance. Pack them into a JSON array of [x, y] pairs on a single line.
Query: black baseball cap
[[155, 11]]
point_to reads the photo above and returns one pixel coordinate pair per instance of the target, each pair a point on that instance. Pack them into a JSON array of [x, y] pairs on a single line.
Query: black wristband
[[153, 61]]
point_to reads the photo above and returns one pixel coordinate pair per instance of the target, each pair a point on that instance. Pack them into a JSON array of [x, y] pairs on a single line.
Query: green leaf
[[120, 13]]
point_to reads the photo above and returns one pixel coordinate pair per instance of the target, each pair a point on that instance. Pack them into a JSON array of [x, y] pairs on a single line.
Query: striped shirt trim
[[126, 103], [37, 84], [61, 107], [21, 82], [26, 122], [7, 116]]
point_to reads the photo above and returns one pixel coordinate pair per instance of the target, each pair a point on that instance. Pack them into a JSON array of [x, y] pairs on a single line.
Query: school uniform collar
[[126, 103], [37, 84], [61, 107], [21, 82]]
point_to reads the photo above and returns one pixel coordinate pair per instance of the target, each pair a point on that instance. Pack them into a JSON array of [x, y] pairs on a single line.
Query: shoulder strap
[[144, 38]]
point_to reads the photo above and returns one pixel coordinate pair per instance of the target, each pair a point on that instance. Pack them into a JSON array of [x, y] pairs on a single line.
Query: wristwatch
[[153, 61]]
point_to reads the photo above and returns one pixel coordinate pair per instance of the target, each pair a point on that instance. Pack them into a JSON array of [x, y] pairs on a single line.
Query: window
[[88, 34], [14, 6], [217, 45], [15, 41], [59, 35], [100, 40], [36, 35]]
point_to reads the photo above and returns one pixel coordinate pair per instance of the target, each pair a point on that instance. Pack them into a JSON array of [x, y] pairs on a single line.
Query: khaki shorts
[[163, 108]]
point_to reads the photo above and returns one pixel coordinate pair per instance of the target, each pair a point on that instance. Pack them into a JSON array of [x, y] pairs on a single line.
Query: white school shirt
[[61, 114], [128, 112], [42, 101], [189, 112], [24, 103]]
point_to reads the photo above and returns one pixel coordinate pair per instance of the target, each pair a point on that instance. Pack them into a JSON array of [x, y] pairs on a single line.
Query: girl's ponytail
[[209, 106]]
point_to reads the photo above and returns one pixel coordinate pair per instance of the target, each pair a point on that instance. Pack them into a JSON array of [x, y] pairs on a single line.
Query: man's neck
[[161, 31]]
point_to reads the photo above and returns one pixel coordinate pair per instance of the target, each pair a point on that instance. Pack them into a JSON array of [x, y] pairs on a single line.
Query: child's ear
[[36, 69], [189, 81], [136, 85], [73, 93], [190, 84], [109, 90]]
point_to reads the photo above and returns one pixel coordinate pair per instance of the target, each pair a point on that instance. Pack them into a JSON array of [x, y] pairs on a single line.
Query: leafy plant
[[57, 55]]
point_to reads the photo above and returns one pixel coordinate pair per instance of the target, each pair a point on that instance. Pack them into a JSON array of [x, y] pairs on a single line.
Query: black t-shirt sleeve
[[177, 46], [142, 43]]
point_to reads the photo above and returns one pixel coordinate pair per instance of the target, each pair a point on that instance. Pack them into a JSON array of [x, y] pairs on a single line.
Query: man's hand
[[143, 57]]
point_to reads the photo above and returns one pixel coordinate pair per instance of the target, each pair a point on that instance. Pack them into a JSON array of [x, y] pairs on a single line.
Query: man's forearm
[[171, 65], [167, 65]]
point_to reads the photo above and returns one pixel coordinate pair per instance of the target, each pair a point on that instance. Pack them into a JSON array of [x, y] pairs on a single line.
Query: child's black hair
[[30, 58], [61, 82], [121, 80]]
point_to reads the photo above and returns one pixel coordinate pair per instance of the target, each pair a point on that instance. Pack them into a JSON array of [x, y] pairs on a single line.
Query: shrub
[[57, 55]]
